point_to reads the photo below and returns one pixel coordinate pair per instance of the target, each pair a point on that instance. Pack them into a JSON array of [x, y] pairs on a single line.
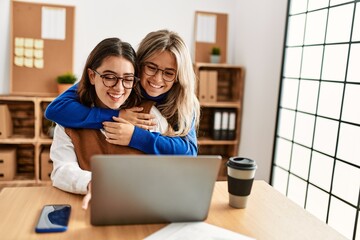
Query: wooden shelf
[[29, 136], [209, 141], [220, 88], [17, 140], [221, 104], [199, 65], [46, 141]]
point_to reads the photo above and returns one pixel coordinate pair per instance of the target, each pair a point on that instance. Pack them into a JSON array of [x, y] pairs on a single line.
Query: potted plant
[[215, 55], [65, 81]]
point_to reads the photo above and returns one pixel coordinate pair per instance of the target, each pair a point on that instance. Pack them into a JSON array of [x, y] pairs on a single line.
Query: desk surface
[[269, 215]]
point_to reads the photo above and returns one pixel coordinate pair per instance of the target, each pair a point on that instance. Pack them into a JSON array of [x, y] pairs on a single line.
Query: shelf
[[45, 141], [25, 141], [216, 65], [208, 141], [28, 136], [19, 182], [221, 104], [220, 92], [26, 177], [17, 140]]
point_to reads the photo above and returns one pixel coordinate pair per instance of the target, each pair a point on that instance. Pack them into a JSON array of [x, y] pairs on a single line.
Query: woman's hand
[[118, 132], [142, 120], [86, 199]]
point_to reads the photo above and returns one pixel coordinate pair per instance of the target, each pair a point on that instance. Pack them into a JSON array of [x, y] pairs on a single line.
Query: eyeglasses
[[111, 80], [151, 69]]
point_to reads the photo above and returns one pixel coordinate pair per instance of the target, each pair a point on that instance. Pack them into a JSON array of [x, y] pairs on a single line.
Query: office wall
[[260, 29], [255, 38], [122, 18]]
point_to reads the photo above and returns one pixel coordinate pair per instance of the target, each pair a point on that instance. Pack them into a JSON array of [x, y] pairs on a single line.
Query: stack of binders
[[224, 120], [224, 124]]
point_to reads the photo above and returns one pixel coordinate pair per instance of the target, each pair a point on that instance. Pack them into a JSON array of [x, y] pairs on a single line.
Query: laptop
[[143, 189]]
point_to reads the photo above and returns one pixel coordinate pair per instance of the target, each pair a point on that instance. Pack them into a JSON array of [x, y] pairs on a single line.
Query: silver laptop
[[141, 189]]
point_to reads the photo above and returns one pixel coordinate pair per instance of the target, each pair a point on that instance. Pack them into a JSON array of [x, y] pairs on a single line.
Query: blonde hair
[[181, 106]]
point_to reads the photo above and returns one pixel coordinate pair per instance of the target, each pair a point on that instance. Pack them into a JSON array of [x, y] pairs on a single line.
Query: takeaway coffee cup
[[241, 172]]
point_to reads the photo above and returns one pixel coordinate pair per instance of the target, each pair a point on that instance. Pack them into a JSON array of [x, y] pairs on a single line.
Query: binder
[[216, 125], [203, 85], [232, 125], [208, 85], [212, 86], [224, 125]]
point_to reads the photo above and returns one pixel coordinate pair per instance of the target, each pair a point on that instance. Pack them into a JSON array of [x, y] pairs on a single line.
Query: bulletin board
[[210, 31], [41, 47]]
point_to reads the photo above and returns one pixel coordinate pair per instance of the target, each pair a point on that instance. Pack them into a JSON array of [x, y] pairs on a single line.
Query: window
[[316, 160]]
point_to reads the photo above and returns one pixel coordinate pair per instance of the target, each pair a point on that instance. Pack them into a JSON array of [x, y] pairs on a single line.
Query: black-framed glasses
[[151, 69], [111, 80]]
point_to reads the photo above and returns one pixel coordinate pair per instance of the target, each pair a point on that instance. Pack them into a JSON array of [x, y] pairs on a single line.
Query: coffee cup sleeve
[[240, 187]]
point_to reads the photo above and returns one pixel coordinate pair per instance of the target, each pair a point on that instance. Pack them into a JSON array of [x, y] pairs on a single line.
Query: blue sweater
[[67, 111]]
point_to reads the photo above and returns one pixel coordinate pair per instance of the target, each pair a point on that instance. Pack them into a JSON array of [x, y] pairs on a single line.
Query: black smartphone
[[53, 218]]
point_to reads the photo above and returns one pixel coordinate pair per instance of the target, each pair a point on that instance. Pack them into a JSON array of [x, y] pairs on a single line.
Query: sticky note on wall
[[29, 52], [28, 62], [19, 51], [39, 44], [29, 42], [39, 63], [19, 61], [19, 42]]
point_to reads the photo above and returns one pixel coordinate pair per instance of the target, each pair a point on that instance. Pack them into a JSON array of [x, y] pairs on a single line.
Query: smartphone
[[53, 218]]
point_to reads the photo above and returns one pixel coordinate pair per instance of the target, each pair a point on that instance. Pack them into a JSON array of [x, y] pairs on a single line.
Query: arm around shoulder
[[155, 143], [67, 111]]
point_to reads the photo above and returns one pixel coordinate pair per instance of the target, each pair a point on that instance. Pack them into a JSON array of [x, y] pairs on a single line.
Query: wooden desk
[[269, 215]]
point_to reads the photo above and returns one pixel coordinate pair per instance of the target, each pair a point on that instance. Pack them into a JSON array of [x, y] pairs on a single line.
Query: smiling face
[[111, 97], [155, 85]]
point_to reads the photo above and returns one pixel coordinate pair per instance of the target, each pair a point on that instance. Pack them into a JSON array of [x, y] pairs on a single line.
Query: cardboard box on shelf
[[7, 163], [6, 126], [46, 165]]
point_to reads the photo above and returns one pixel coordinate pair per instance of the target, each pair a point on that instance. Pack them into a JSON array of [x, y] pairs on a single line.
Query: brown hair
[[106, 48]]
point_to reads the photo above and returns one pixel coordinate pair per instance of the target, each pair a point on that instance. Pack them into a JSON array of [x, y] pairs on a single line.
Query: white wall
[[259, 36], [4, 46], [255, 35], [260, 30]]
